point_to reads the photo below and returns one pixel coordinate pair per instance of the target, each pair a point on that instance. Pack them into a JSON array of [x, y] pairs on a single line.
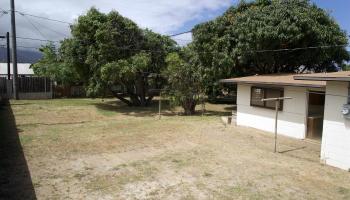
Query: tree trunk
[[149, 100], [142, 89], [137, 91], [127, 102], [134, 99], [189, 106]]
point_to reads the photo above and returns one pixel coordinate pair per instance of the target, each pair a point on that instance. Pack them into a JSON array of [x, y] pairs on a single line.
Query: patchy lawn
[[94, 149]]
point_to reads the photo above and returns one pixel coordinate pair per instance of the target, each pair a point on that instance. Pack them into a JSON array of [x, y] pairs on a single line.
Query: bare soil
[[94, 149]]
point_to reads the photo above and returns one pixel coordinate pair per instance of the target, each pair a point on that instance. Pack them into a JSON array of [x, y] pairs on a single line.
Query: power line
[[44, 18], [181, 33], [57, 32], [36, 28], [4, 11], [184, 40], [26, 47], [257, 51], [251, 51], [29, 47], [36, 16], [300, 48], [37, 39], [173, 35], [65, 22]]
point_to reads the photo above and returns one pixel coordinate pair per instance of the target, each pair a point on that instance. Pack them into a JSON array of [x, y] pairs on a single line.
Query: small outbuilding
[[29, 85], [24, 70], [318, 109]]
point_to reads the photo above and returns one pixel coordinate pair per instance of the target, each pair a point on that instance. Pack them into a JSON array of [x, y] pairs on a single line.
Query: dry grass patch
[[94, 149]]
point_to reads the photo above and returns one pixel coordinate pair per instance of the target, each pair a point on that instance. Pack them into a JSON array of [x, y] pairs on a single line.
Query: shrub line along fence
[[28, 88]]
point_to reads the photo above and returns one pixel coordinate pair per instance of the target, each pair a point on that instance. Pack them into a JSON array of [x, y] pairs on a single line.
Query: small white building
[[29, 86], [314, 112], [22, 68]]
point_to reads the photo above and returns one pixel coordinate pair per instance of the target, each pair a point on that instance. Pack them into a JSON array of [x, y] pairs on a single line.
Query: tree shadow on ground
[[153, 109], [15, 180], [231, 108], [136, 111]]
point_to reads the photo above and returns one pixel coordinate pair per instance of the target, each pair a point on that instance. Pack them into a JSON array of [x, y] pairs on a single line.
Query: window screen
[[259, 93]]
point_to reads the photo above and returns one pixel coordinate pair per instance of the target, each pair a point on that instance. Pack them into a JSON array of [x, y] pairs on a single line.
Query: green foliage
[[229, 45], [107, 50], [125, 72], [345, 66], [185, 85], [52, 66]]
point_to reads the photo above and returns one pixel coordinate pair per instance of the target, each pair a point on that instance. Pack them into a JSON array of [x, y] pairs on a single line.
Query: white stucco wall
[[291, 121], [335, 148], [23, 68]]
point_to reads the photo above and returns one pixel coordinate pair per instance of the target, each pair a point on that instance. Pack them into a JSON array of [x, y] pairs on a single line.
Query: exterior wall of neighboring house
[[291, 120], [22, 68], [335, 150]]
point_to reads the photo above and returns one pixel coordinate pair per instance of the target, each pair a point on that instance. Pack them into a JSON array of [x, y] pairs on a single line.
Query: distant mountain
[[23, 56]]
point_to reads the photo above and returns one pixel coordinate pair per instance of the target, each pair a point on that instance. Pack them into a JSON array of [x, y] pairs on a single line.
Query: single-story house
[[29, 86], [318, 109], [23, 69]]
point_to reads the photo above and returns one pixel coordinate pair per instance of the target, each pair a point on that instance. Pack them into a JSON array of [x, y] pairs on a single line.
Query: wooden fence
[[34, 84], [3, 85], [28, 88]]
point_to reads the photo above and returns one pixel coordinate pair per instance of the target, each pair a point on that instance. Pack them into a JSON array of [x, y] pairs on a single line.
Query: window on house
[[259, 93]]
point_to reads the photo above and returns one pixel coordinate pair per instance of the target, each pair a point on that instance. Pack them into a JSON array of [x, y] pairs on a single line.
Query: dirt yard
[[94, 149]]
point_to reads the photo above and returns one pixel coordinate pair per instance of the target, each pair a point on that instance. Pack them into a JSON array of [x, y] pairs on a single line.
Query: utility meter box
[[346, 111]]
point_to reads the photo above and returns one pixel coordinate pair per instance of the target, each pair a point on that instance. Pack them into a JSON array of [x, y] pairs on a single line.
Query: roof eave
[[317, 78], [272, 83]]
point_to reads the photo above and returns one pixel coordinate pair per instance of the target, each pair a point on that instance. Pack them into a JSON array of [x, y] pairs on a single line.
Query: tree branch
[[121, 98]]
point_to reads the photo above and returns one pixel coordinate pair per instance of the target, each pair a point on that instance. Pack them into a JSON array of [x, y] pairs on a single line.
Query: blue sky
[[339, 10], [162, 16]]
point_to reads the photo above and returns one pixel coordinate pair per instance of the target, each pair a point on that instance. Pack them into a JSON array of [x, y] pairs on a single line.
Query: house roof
[[23, 68], [275, 79], [332, 76]]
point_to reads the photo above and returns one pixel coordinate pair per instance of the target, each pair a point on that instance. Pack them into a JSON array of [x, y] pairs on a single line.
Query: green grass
[[58, 102], [27, 139], [105, 149]]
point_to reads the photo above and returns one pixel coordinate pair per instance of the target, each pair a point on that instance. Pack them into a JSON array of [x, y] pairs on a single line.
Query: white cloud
[[162, 16], [183, 39]]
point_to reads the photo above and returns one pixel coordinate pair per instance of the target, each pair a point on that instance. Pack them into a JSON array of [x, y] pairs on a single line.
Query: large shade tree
[[112, 54], [234, 44], [185, 79]]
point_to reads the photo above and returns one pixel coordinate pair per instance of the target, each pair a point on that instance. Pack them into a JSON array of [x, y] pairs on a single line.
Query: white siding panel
[[23, 68], [291, 120], [335, 149]]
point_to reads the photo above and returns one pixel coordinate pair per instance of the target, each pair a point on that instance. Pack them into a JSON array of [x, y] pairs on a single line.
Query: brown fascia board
[[271, 83], [319, 78]]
